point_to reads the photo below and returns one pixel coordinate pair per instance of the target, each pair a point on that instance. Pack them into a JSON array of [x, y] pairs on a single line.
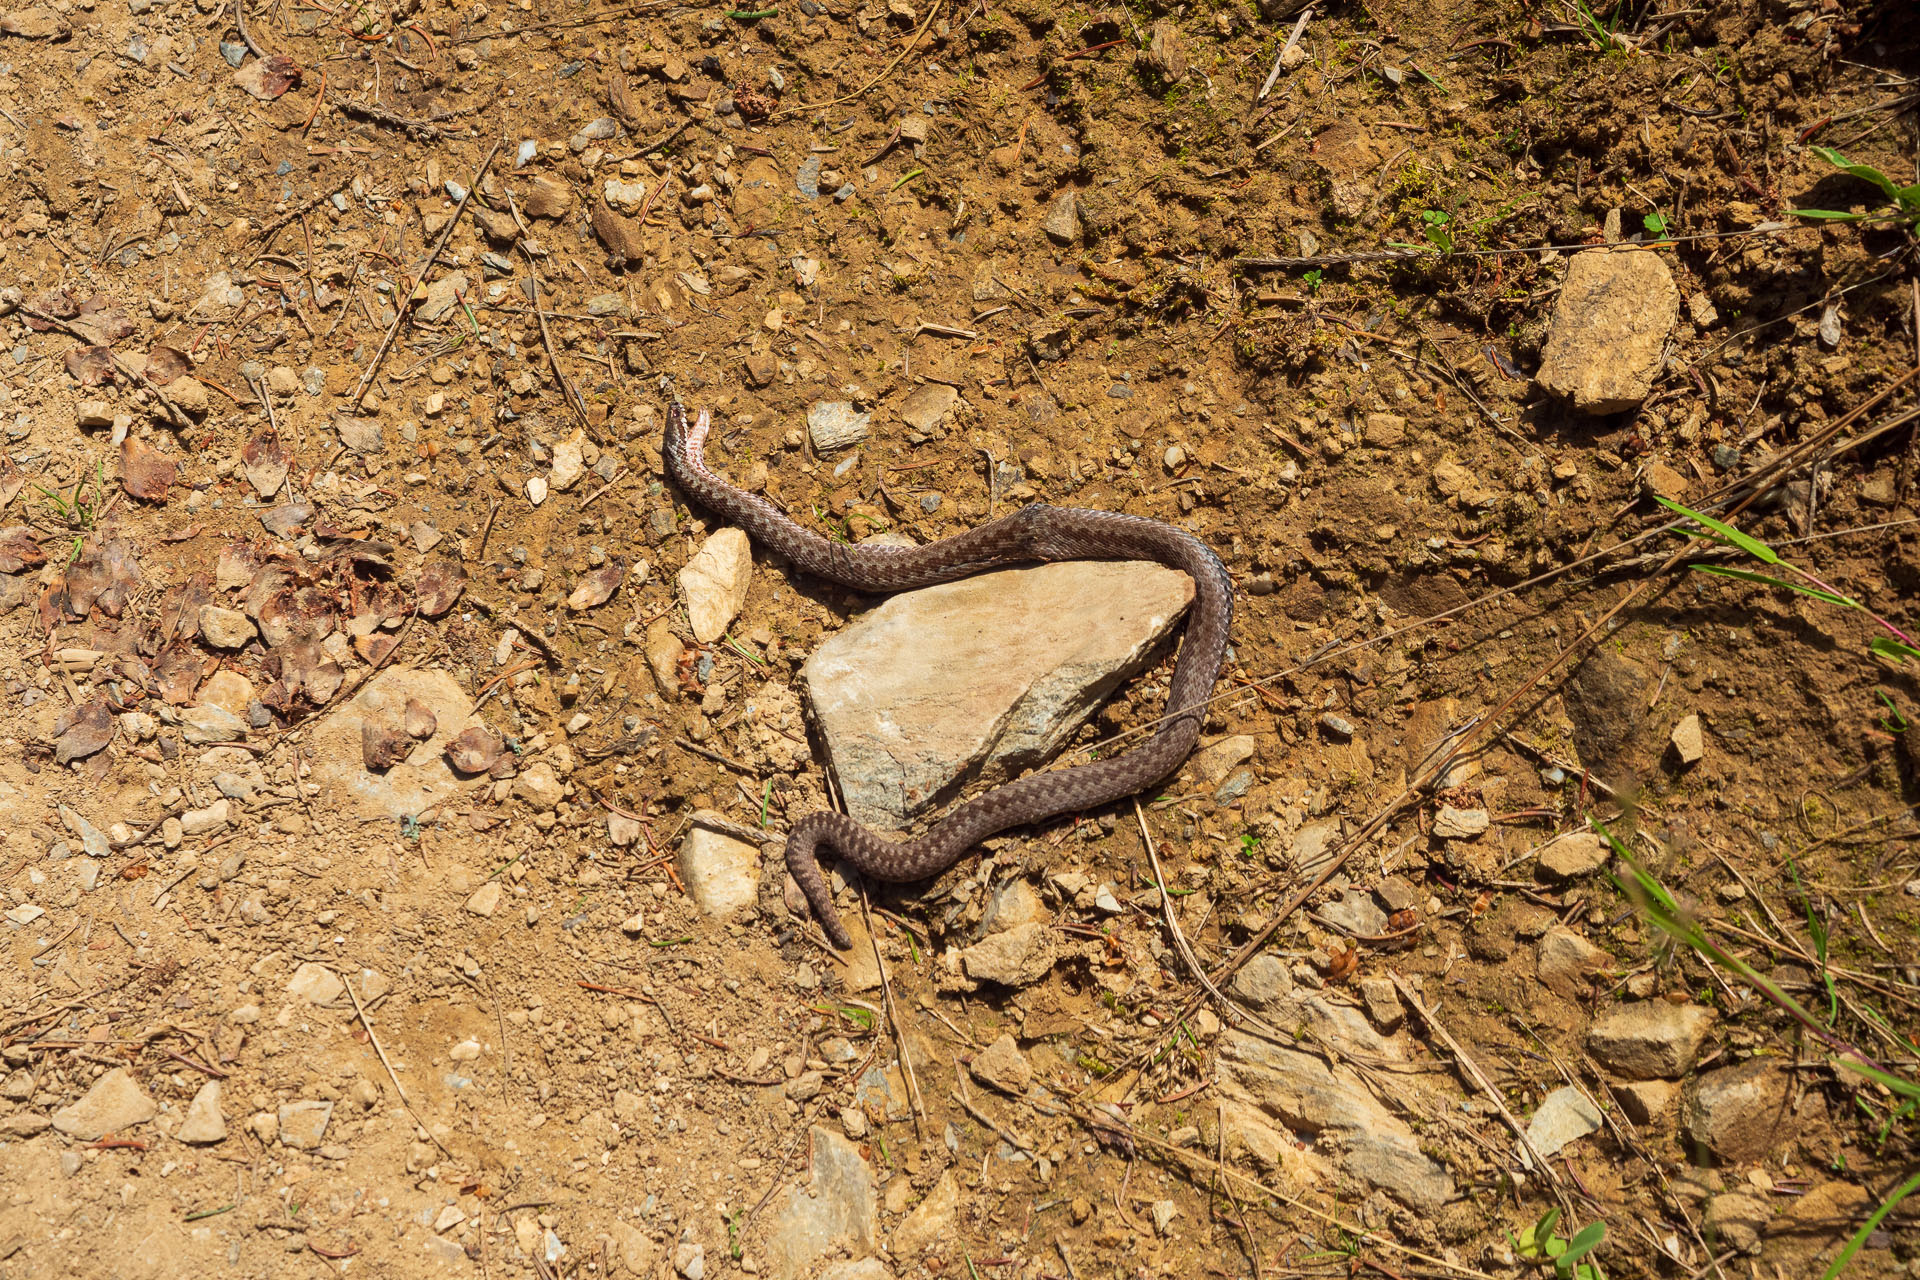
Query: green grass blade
[[1872, 1224], [1864, 172], [1583, 1242], [1748, 575], [1832, 214], [1888, 647], [1751, 545]]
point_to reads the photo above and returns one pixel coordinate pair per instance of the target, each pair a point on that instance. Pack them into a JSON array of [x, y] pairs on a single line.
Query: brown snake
[[1036, 532]]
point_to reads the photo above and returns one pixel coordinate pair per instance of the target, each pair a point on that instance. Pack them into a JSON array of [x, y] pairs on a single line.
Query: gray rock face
[[1357, 913], [834, 1209], [1576, 854], [1651, 1040], [980, 679], [1062, 223], [931, 1223], [1736, 1220], [926, 407], [1268, 1082], [1565, 1115], [714, 583], [1609, 330], [1606, 700], [1739, 1113], [1015, 957], [1263, 982], [303, 1124], [1003, 1066], [835, 424]]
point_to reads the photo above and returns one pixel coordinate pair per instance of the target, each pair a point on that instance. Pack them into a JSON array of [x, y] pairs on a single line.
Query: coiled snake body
[[1036, 532]]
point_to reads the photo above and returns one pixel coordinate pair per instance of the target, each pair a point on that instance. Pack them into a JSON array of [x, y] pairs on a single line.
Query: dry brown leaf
[[180, 608], [265, 462], [268, 78], [383, 746], [106, 321], [373, 649], [419, 719], [80, 731], [145, 472], [597, 587], [103, 576], [19, 549], [12, 480], [90, 366], [476, 750], [164, 364], [440, 584], [177, 673], [57, 303]]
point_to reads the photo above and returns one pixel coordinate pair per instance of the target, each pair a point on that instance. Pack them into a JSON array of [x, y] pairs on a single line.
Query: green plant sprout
[[1603, 37], [76, 510], [1906, 200], [1541, 1245]]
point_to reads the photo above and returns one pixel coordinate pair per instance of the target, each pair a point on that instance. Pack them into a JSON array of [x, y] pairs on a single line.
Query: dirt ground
[[471, 1022]]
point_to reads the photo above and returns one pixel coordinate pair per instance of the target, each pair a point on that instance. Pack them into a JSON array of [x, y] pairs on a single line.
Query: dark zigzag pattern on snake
[[1033, 533]]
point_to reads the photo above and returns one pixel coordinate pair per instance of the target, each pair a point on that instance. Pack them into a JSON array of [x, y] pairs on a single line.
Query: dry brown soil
[[1361, 442]]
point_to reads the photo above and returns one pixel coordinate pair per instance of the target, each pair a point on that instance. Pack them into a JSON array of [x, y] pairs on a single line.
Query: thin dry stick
[[1753, 484], [834, 102], [1473, 1069], [400, 313], [374, 1040], [1235, 1015], [1013, 1137], [1407, 798], [1220, 1152], [486, 530], [567, 391], [893, 1019], [134, 377]]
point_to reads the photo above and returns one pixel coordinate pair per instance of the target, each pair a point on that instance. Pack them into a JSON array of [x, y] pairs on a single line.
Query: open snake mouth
[[697, 434]]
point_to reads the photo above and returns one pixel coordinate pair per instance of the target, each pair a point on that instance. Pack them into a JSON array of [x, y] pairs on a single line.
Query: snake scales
[[1036, 532]]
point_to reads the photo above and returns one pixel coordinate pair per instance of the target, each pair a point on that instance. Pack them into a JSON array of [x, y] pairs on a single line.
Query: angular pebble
[[714, 583], [836, 424], [114, 1104], [1607, 338]]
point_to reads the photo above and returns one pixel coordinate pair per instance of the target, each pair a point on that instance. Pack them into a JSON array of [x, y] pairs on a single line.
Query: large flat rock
[[982, 678], [416, 782], [1282, 1092]]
